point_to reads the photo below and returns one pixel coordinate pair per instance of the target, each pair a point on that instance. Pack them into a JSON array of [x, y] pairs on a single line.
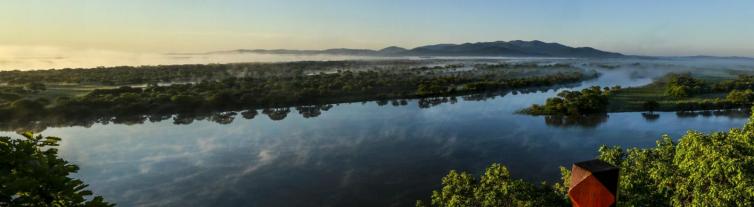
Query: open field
[[66, 90], [631, 99]]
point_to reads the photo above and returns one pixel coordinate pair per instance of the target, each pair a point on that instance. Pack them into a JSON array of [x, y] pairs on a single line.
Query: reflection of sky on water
[[352, 155]]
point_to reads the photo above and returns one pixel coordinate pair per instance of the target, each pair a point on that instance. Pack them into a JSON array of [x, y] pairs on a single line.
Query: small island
[[672, 92], [592, 100]]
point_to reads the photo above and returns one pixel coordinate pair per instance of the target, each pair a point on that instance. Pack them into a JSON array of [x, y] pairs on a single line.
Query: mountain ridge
[[515, 48]]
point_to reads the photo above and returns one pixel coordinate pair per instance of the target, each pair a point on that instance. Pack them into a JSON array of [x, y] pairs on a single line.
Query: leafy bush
[[741, 97], [699, 169], [32, 174], [494, 188], [592, 100], [683, 85]]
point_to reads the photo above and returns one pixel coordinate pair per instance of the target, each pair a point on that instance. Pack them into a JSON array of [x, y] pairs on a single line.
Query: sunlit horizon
[[75, 33]]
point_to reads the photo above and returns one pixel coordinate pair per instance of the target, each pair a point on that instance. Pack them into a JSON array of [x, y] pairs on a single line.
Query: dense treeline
[[133, 75], [686, 92], [276, 92], [699, 169], [684, 85], [227, 117], [739, 93], [592, 100]]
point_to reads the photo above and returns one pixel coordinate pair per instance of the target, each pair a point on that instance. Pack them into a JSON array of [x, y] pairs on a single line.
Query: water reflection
[[588, 121], [384, 153], [733, 113], [650, 116], [352, 155], [275, 113]]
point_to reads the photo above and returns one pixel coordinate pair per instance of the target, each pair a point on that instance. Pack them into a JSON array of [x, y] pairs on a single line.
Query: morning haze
[[376, 103], [138, 30]]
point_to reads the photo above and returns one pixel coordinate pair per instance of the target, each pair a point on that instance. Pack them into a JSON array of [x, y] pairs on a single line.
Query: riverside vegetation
[[673, 92], [32, 174], [699, 169], [273, 87]]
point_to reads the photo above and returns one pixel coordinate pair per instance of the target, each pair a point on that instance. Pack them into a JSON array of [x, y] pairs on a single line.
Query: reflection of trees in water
[[88, 119], [223, 117], [401, 102], [651, 117], [481, 96], [312, 111], [434, 101], [277, 114], [249, 114], [733, 113], [588, 121]]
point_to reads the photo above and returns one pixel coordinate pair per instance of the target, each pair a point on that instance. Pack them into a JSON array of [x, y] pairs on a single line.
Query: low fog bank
[[37, 58], [34, 58]]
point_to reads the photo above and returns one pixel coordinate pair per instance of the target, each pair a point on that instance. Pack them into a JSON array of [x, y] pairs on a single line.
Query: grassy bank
[[66, 90], [632, 99]]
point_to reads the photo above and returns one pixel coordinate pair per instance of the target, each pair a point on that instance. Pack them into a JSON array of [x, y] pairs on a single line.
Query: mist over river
[[364, 154]]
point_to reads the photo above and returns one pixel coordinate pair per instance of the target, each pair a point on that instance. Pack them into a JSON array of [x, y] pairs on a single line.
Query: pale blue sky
[[668, 27]]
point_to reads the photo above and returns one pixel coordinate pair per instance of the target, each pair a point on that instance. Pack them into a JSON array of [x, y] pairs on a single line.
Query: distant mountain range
[[515, 48]]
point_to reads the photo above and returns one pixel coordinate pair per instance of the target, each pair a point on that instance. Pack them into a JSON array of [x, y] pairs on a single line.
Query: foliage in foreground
[[32, 174], [494, 188], [699, 169]]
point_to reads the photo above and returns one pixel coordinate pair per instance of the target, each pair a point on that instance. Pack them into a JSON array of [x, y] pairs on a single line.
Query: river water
[[356, 154]]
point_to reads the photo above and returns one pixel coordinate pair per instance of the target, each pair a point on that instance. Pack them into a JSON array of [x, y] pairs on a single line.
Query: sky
[[639, 27]]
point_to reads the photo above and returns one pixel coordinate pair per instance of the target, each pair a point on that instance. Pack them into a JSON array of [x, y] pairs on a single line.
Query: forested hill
[[517, 48]]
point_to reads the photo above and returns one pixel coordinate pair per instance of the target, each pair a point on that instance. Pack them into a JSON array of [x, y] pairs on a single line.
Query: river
[[355, 154]]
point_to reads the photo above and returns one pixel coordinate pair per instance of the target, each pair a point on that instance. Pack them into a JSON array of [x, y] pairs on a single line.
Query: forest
[[265, 88], [699, 169], [673, 92]]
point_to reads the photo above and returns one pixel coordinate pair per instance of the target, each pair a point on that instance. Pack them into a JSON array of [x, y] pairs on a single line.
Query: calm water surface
[[352, 155]]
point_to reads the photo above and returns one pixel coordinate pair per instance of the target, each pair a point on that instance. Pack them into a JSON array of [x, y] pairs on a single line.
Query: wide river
[[358, 154]]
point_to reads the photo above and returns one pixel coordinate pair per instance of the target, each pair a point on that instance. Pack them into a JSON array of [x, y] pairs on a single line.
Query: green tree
[[699, 169], [684, 85], [494, 188], [32, 174], [592, 100], [740, 97]]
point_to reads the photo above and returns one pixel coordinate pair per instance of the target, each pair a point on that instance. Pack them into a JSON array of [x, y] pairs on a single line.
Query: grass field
[[631, 99], [57, 90]]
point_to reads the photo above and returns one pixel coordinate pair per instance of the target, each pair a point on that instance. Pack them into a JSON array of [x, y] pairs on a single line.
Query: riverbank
[[633, 99]]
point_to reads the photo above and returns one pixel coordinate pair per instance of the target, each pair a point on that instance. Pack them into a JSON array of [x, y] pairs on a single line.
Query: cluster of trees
[[684, 85], [132, 75], [592, 100], [740, 97], [32, 174], [494, 188], [699, 169], [742, 82], [274, 91], [735, 99], [225, 117]]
